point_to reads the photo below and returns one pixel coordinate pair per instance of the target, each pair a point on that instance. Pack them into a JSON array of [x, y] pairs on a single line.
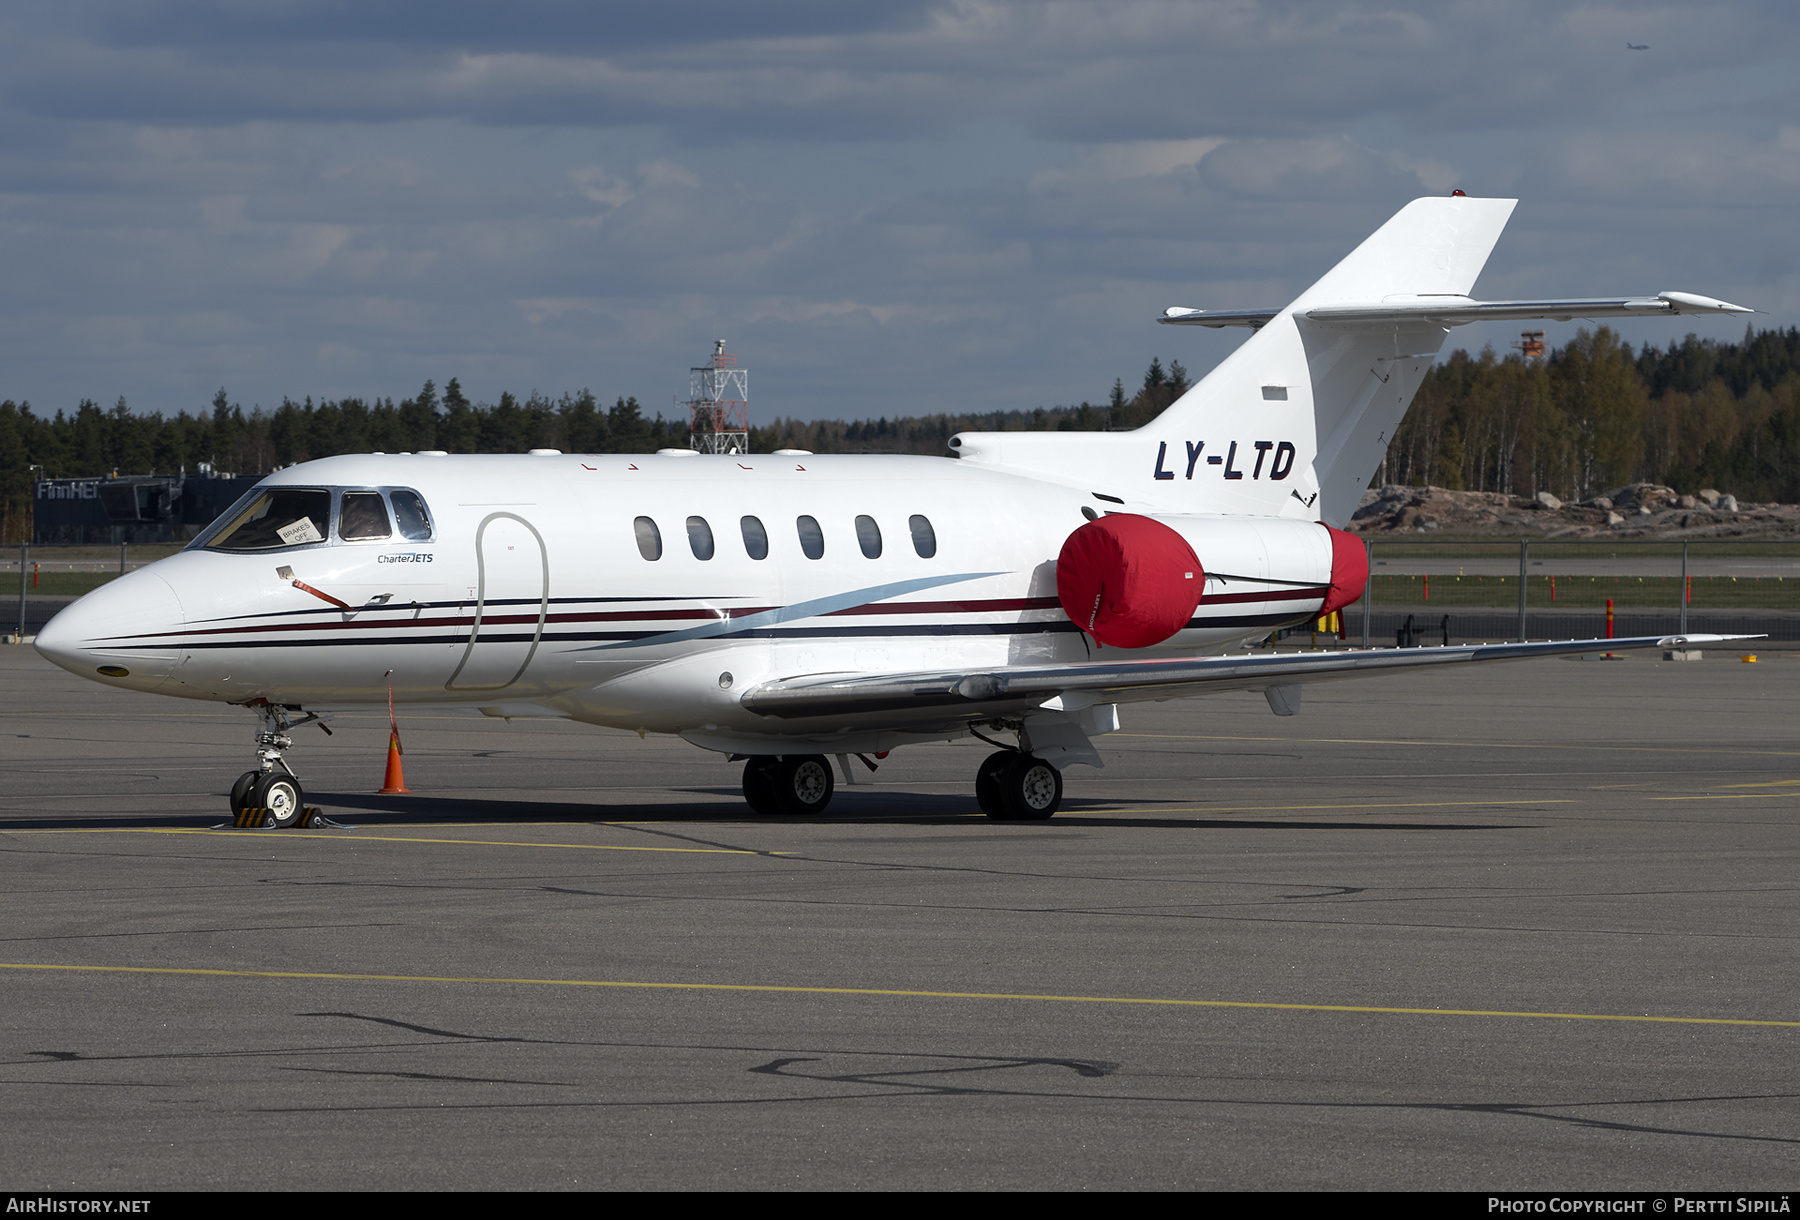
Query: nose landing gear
[[273, 787]]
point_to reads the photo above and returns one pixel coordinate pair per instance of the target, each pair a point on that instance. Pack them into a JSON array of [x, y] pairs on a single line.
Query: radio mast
[[719, 404]]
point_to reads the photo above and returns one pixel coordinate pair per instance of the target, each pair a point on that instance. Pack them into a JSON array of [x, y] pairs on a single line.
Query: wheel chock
[[258, 818], [254, 818]]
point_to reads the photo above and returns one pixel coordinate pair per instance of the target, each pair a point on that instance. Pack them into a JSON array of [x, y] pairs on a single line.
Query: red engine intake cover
[[1349, 570], [1128, 581]]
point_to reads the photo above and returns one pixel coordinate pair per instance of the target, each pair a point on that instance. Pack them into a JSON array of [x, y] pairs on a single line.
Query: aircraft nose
[[122, 634]]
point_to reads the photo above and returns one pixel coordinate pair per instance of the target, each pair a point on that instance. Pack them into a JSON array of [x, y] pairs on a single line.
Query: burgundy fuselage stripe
[[617, 616], [975, 607], [1277, 595], [989, 606]]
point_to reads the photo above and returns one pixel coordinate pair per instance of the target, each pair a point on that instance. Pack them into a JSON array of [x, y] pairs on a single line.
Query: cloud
[[1085, 70], [884, 208]]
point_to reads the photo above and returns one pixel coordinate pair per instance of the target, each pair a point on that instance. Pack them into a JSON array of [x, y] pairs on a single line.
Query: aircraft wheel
[[987, 783], [759, 785], [802, 783], [1030, 788], [281, 796], [240, 791]]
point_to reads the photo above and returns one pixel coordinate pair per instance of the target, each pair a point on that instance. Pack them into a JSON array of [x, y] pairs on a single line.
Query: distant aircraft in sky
[[787, 609], [1632, 46]]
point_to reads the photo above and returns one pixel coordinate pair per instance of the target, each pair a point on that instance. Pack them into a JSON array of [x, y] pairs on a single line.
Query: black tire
[[987, 784], [1031, 789], [240, 791], [802, 784], [281, 796], [759, 786]]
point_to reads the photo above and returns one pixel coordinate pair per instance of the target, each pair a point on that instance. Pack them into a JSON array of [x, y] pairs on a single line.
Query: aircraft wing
[[1459, 311], [983, 693]]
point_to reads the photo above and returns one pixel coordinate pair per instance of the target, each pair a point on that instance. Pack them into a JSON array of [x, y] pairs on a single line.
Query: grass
[[1609, 549], [53, 584], [1587, 592]]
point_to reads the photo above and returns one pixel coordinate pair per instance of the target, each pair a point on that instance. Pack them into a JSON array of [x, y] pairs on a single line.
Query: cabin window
[[923, 536], [649, 538], [410, 516], [362, 517], [700, 539], [756, 538], [278, 517], [868, 537], [812, 538]]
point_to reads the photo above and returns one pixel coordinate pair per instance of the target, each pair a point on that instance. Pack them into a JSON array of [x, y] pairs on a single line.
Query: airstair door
[[512, 599]]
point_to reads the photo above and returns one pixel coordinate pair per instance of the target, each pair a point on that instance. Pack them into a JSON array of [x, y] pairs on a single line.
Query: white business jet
[[787, 608]]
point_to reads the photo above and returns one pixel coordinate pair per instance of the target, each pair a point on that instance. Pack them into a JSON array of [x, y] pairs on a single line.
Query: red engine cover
[[1349, 570], [1128, 581]]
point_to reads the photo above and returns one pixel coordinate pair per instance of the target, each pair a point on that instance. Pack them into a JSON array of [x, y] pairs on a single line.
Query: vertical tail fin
[[1319, 401], [1295, 422]]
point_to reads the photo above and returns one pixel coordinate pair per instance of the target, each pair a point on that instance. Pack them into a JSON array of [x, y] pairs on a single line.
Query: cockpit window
[[410, 516], [278, 517], [363, 517]]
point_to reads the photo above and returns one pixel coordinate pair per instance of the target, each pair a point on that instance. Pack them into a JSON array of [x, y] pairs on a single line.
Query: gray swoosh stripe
[[807, 609]]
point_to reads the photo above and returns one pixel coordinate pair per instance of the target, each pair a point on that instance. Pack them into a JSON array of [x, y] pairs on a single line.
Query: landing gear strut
[[1012, 786], [790, 785], [273, 785]]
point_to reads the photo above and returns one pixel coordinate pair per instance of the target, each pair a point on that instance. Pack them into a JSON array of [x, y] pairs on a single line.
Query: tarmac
[[1526, 926]]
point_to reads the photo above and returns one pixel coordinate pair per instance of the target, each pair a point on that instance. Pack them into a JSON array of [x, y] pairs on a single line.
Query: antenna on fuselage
[[719, 404]]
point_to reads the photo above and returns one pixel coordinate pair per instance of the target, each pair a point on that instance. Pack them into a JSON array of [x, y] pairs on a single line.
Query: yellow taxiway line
[[1487, 745], [359, 837], [333, 976], [1302, 808], [1726, 796]]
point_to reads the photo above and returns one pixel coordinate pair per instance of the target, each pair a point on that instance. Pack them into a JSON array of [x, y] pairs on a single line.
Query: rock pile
[[1639, 510]]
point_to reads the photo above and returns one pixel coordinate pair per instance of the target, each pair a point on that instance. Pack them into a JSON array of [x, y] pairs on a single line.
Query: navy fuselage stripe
[[896, 631]]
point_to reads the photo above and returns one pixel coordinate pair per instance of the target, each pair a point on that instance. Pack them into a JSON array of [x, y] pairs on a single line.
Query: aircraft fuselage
[[533, 592]]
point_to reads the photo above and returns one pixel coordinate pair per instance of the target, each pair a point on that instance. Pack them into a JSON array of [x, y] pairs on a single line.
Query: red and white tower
[[719, 404]]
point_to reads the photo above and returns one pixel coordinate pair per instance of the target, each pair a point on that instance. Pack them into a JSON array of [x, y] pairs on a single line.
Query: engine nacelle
[[1133, 581]]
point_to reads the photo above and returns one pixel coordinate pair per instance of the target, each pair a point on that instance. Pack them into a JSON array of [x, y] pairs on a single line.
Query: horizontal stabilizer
[[1175, 315], [1459, 310]]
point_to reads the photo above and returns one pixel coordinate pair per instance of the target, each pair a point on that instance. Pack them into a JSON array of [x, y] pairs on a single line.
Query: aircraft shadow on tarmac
[[849, 809]]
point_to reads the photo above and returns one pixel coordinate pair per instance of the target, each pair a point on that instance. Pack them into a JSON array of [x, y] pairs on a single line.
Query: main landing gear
[[1013, 786], [273, 786], [791, 785]]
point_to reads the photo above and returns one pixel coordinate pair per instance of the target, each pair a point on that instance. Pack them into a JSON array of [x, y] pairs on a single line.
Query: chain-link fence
[[1574, 590], [46, 577]]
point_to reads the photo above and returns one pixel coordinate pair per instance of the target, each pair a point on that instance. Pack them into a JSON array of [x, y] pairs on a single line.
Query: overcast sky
[[885, 209]]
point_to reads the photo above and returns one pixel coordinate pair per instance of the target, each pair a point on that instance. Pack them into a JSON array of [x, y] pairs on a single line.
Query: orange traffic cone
[[394, 781]]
